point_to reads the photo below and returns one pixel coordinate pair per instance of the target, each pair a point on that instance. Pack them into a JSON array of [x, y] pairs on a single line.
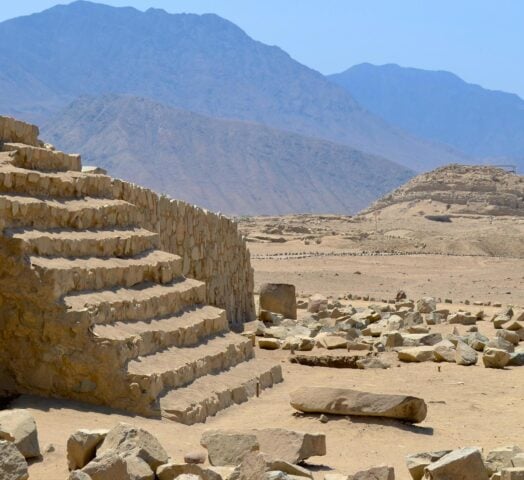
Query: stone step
[[43, 159], [210, 394], [19, 211], [183, 329], [92, 273], [141, 302], [177, 367], [85, 243], [56, 185], [12, 130]]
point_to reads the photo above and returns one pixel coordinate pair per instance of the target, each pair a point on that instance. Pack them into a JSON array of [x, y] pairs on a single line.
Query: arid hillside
[[454, 210]]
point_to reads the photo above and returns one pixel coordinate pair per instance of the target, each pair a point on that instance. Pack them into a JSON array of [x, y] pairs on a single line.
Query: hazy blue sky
[[480, 40]]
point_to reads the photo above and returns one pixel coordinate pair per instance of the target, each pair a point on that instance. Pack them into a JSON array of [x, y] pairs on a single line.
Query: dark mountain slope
[[231, 166], [201, 63], [442, 107]]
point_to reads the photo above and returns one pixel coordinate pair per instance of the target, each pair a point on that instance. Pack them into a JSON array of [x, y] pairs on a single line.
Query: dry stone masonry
[[113, 295], [475, 189]]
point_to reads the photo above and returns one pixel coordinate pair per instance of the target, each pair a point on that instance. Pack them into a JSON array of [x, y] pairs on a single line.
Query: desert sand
[[467, 406]]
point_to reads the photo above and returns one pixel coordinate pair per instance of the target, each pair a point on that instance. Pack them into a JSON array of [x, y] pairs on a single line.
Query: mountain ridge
[[440, 106], [200, 63], [228, 165]]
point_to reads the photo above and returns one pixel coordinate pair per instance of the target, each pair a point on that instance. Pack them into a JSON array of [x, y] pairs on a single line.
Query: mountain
[[232, 166], [201, 63], [441, 107]]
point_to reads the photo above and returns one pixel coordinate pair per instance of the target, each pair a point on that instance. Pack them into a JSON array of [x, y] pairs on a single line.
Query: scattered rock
[[19, 427], [107, 466], [426, 305], [13, 465], [444, 351], [228, 448], [495, 358], [465, 355], [501, 457], [317, 303], [513, 473], [416, 462], [375, 473], [290, 446], [196, 457], [269, 343], [172, 471], [279, 298], [339, 401], [81, 447], [127, 440], [463, 464], [331, 361], [371, 362], [416, 354]]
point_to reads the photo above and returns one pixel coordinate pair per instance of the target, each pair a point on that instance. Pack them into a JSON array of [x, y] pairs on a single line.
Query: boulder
[[332, 341], [196, 457], [366, 363], [463, 464], [317, 303], [465, 355], [392, 339], [273, 464], [426, 305], [13, 465], [269, 343], [418, 339], [495, 358], [172, 471], [374, 473], [509, 336], [416, 354], [299, 343], [127, 440], [501, 457], [290, 446], [416, 462], [462, 318], [279, 298], [252, 467], [502, 344], [518, 460], [107, 466], [19, 427], [78, 475], [81, 447], [513, 473], [138, 469], [331, 361], [340, 401], [444, 351], [517, 358], [228, 447]]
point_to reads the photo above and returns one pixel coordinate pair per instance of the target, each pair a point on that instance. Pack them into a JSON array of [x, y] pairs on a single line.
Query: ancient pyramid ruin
[[113, 295]]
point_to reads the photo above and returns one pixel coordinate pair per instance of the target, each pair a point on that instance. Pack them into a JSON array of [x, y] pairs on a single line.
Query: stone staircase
[[112, 319]]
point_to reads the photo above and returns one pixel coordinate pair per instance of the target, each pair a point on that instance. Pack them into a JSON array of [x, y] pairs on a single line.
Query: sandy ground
[[466, 405], [458, 278]]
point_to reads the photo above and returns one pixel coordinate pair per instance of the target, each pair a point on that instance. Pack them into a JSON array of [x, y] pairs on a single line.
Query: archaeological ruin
[[114, 295]]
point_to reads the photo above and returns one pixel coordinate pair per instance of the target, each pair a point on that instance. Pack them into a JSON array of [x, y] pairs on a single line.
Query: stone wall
[[18, 132], [210, 245]]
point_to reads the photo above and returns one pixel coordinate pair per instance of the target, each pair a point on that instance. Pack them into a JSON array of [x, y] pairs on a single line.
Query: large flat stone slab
[[341, 401]]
